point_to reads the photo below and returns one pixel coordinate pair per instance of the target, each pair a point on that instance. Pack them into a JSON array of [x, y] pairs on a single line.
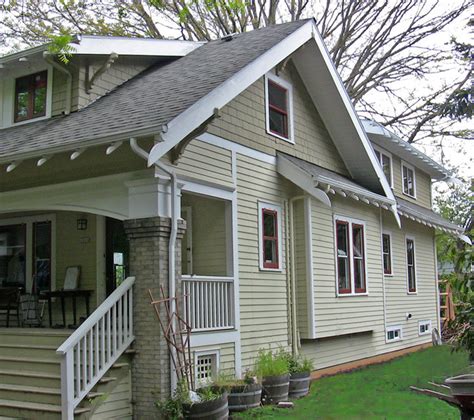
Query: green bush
[[271, 364], [297, 364]]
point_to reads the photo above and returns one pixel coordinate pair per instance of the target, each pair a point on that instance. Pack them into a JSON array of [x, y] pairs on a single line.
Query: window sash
[[411, 273], [30, 88], [274, 263], [408, 181], [345, 258], [387, 253], [359, 261], [385, 162], [278, 110]]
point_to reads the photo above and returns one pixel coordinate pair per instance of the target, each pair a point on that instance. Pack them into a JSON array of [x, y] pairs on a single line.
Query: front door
[[116, 256]]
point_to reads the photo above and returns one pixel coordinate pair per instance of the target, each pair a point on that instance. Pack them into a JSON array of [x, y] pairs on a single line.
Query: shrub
[[271, 364]]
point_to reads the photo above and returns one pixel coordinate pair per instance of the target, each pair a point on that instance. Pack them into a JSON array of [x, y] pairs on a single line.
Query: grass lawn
[[378, 392]]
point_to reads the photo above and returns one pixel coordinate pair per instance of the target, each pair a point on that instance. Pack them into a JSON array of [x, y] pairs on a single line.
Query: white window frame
[[414, 263], [278, 209], [412, 168], [351, 221], [389, 155], [427, 322], [385, 232], [29, 221], [289, 87], [7, 108], [391, 329], [213, 353]]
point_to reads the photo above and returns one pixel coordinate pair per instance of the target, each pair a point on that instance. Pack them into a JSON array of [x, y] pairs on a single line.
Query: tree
[[380, 47]]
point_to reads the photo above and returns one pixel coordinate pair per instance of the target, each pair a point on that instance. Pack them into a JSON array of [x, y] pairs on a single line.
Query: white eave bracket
[[90, 80]]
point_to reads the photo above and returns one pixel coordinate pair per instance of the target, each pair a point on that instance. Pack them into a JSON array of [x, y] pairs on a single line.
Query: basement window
[[393, 334], [424, 327], [279, 104], [206, 367], [30, 96]]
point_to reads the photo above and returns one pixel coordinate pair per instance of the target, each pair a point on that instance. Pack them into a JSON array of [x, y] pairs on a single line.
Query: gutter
[[48, 57], [172, 241]]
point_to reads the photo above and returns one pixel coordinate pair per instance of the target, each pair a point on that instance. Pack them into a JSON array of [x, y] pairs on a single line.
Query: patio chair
[[10, 302]]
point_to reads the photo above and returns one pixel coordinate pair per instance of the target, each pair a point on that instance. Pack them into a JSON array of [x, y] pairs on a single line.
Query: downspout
[[172, 242], [48, 57], [292, 285], [383, 275]]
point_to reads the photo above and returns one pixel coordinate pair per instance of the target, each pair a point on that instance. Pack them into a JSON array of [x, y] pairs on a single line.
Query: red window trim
[[389, 254], [30, 110], [281, 111], [349, 275], [266, 264], [357, 225], [411, 290]]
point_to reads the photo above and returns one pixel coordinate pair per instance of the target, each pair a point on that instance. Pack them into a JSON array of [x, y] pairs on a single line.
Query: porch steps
[[30, 382]]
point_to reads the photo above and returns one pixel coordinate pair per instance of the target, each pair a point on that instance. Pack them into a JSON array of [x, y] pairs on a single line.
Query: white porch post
[[67, 386]]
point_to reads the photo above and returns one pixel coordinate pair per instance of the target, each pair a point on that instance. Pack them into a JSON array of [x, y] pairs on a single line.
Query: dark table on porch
[[63, 294]]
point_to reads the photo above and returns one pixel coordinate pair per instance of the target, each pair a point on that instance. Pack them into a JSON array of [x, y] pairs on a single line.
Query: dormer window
[[30, 96], [385, 160], [408, 180], [279, 104]]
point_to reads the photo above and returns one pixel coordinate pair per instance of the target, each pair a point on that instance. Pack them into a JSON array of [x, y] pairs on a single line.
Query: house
[[234, 171]]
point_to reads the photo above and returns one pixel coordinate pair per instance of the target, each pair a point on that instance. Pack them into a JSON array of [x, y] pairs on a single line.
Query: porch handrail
[[95, 346]]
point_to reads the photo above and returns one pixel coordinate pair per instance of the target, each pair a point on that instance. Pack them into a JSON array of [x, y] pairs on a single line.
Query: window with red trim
[[358, 257], [270, 238], [343, 257], [387, 253], [278, 109], [411, 273], [30, 96]]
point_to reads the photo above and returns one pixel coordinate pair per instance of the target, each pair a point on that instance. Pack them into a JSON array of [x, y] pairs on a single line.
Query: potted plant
[[209, 403], [300, 369], [244, 393], [273, 369]]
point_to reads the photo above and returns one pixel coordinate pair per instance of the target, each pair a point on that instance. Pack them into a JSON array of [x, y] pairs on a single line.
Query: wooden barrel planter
[[299, 384], [243, 397], [275, 388], [217, 409]]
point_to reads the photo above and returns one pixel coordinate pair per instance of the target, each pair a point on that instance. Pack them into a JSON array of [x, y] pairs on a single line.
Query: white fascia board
[[104, 45], [187, 121], [353, 126]]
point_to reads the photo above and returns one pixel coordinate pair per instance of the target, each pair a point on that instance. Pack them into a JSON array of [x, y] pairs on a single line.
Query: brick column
[[149, 239]]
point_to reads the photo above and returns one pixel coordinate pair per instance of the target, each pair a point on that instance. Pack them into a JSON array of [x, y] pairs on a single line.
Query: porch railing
[[95, 346], [210, 302]]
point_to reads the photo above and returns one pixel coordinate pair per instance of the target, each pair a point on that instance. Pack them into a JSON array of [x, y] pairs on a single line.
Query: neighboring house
[[235, 171]]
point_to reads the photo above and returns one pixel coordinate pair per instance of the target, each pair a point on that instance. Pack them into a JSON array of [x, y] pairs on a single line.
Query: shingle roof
[[150, 99], [406, 208]]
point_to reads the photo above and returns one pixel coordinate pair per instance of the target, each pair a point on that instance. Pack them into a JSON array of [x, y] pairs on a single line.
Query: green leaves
[[60, 46]]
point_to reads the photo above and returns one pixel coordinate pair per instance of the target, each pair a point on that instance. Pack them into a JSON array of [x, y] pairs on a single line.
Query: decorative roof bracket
[[100, 71], [178, 150]]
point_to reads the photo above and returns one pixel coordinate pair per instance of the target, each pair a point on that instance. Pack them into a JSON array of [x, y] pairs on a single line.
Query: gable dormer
[[35, 85]]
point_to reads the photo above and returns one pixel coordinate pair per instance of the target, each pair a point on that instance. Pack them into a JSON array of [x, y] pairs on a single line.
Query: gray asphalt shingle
[[152, 98]]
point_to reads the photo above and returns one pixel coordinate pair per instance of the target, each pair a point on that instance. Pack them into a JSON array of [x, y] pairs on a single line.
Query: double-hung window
[[31, 96], [279, 104], [270, 236], [408, 180], [385, 161], [350, 255], [387, 253], [411, 269]]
